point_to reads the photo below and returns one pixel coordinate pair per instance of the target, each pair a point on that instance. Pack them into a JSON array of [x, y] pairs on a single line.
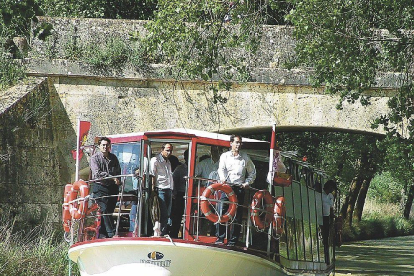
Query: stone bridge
[[135, 100], [39, 118]]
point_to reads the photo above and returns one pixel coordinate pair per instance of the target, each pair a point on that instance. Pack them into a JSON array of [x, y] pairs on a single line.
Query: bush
[[40, 251], [11, 71], [378, 225], [386, 188], [112, 54]]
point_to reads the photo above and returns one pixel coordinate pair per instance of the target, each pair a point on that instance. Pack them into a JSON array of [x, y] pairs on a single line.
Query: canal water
[[391, 256]]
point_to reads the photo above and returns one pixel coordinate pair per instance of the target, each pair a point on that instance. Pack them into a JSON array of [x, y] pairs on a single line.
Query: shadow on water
[[391, 256]]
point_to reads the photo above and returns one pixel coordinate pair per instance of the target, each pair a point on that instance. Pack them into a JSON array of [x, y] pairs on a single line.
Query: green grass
[[380, 220], [39, 251]]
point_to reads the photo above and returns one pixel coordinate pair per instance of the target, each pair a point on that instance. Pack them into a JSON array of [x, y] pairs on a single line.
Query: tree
[[351, 159], [349, 43], [399, 162], [15, 17], [210, 40]]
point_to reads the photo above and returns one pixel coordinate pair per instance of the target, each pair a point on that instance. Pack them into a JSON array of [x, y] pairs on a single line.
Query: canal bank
[[391, 256]]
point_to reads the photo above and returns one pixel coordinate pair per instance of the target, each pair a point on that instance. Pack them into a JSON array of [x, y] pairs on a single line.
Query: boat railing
[[87, 225], [300, 241], [247, 228]]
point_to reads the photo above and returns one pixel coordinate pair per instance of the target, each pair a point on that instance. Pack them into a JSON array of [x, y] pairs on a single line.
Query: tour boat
[[281, 225]]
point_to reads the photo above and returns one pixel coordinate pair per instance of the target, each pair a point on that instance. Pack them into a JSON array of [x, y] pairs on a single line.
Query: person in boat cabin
[[237, 169], [162, 182], [205, 167], [174, 162], [180, 185], [105, 164], [328, 214]]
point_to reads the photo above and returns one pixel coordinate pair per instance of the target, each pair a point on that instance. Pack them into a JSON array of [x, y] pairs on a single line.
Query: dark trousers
[[106, 198], [236, 225], [177, 213], [325, 237]]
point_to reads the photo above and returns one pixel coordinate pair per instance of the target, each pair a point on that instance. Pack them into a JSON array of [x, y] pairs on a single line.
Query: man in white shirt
[[235, 167], [162, 182], [209, 165]]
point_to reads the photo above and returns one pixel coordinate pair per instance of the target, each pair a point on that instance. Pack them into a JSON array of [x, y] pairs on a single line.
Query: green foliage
[[399, 159], [342, 40], [43, 30], [116, 9], [113, 53], [348, 43], [15, 17], [377, 228], [205, 40], [10, 70], [338, 154], [385, 188]]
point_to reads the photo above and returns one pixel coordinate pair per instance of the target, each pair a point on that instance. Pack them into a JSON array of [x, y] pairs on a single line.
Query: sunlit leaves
[[207, 40], [341, 40]]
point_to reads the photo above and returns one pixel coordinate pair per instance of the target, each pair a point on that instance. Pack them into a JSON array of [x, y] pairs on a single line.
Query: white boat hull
[[163, 257]]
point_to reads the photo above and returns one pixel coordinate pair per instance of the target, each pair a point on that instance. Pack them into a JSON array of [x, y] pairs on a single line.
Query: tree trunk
[[409, 202], [352, 197], [359, 207], [344, 207]]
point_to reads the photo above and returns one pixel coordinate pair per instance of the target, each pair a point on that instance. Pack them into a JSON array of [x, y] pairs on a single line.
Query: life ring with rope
[[208, 194], [78, 205], [279, 215], [262, 200]]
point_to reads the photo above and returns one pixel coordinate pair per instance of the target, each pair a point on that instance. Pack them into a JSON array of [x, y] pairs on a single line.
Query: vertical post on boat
[[76, 179], [271, 176], [77, 149], [272, 157]]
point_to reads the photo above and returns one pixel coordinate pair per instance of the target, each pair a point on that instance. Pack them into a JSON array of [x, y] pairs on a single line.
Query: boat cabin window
[[129, 159]]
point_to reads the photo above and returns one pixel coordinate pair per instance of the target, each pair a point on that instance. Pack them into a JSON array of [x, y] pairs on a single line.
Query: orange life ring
[[209, 194], [279, 215], [66, 217], [78, 209], [257, 206]]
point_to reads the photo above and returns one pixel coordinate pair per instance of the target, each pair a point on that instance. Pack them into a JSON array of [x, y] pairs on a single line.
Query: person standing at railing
[[237, 168], [105, 164], [162, 182], [328, 215], [208, 165], [180, 185]]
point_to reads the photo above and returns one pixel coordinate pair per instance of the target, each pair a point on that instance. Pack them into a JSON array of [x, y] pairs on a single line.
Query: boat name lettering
[[166, 263]]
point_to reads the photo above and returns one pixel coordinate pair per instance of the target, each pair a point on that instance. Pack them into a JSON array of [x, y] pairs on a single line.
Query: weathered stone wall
[[276, 45], [36, 138], [123, 106]]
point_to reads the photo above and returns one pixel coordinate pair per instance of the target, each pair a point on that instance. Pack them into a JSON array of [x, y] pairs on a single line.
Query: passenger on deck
[[105, 164], [162, 182], [208, 165], [136, 183], [328, 215], [180, 185], [174, 162], [235, 167]]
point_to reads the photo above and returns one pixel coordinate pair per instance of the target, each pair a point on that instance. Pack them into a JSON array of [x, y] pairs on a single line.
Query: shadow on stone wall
[[36, 138]]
